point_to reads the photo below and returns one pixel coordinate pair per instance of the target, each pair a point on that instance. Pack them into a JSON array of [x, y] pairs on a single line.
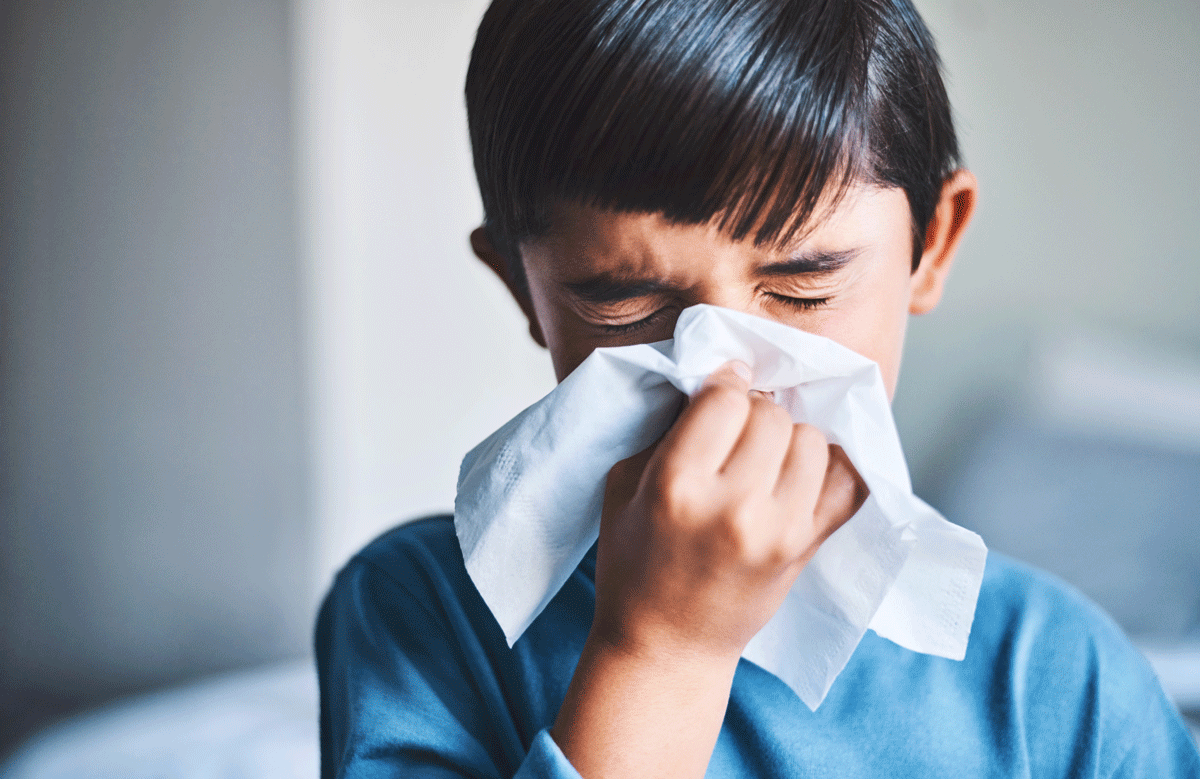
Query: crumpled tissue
[[529, 497]]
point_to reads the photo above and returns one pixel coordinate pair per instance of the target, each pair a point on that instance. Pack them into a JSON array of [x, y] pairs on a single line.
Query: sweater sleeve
[[406, 689]]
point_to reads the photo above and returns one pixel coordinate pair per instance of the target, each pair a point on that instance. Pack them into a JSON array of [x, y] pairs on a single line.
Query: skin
[[703, 534]]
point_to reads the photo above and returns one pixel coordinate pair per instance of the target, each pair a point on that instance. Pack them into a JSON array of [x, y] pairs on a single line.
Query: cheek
[[567, 347], [563, 341], [568, 343], [873, 325]]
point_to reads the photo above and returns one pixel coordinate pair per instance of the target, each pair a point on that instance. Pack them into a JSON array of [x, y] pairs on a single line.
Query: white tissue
[[529, 497]]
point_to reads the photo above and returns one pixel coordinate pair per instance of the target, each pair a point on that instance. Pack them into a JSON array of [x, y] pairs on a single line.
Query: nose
[[729, 294], [745, 300]]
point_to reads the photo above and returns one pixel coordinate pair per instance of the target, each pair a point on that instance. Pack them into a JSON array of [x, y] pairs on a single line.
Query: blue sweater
[[417, 680]]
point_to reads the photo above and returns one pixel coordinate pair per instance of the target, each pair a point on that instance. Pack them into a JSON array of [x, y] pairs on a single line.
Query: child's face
[[605, 279]]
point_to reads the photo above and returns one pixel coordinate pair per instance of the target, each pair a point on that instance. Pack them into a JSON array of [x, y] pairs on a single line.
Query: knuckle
[[778, 556], [742, 517], [749, 539], [767, 552], [735, 537], [811, 440], [779, 415], [768, 555], [675, 491], [725, 399], [768, 415]]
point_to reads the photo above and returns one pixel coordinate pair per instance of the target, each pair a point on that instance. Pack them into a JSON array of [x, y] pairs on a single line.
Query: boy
[[796, 160]]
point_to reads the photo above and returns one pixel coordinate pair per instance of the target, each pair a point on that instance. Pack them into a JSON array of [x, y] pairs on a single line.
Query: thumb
[[734, 374]]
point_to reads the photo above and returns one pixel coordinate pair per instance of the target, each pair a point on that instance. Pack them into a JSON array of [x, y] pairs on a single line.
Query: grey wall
[[152, 451], [1080, 118]]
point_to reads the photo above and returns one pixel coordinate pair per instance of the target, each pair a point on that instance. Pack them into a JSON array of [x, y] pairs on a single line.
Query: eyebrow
[[614, 287], [810, 263]]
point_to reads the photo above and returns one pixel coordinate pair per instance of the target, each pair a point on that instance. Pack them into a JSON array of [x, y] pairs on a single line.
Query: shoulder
[[412, 553], [1047, 633], [404, 649], [1017, 598], [1067, 679], [416, 675], [414, 567], [1033, 617], [424, 542]]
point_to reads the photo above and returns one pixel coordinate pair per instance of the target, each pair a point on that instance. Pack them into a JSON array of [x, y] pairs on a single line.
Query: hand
[[703, 535]]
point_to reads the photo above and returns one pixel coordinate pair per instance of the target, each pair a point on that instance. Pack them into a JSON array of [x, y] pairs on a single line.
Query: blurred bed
[[259, 724]]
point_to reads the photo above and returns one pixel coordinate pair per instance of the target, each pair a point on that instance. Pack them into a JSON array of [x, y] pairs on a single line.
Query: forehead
[[583, 239]]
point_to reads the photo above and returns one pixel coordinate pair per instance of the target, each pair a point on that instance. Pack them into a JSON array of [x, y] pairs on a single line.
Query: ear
[[482, 246], [945, 231]]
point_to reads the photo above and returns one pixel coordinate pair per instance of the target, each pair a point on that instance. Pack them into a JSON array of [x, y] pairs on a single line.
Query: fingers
[[712, 422], [735, 374], [760, 449], [843, 493], [802, 474], [750, 443]]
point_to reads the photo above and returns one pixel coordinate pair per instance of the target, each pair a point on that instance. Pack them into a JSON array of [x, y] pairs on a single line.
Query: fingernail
[[741, 369]]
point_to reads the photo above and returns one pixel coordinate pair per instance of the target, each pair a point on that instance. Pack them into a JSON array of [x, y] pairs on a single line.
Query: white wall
[[417, 352], [1078, 117], [154, 519]]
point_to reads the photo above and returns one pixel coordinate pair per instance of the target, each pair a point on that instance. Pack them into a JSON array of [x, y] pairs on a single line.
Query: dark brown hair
[[739, 112]]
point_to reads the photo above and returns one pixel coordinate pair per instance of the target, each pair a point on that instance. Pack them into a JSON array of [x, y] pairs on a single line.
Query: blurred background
[[241, 333]]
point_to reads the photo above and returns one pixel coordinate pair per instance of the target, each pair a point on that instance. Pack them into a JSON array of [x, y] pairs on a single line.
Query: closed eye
[[802, 304], [630, 327]]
